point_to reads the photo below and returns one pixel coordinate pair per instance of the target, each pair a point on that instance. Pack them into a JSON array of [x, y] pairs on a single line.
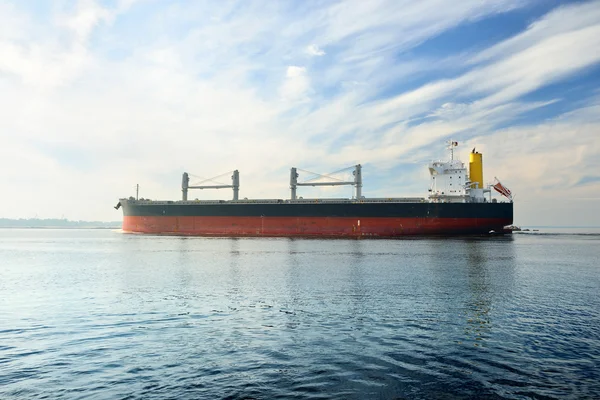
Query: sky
[[98, 96]]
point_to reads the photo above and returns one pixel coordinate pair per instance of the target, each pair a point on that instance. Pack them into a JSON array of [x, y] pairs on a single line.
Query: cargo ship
[[458, 203]]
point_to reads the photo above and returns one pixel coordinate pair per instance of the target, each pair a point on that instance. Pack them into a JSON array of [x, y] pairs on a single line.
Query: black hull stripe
[[354, 210]]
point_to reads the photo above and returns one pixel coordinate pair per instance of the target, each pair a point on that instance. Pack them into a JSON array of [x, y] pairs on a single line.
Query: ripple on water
[[136, 317]]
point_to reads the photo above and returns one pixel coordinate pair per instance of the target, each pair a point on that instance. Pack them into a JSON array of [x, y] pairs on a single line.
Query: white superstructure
[[451, 182]]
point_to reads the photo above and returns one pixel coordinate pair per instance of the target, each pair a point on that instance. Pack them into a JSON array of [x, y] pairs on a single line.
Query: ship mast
[[451, 145]]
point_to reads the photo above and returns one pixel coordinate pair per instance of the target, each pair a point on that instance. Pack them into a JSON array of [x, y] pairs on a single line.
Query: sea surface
[[98, 314]]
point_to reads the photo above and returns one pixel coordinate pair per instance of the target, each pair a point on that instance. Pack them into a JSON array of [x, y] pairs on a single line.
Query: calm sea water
[[97, 314]]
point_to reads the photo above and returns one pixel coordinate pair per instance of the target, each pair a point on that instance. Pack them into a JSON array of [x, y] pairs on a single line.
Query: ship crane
[[357, 182], [235, 184]]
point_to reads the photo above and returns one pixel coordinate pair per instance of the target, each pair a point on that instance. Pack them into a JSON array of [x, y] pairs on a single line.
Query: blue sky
[[99, 96]]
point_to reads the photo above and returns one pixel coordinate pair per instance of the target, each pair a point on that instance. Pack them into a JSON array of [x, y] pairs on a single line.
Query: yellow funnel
[[476, 170]]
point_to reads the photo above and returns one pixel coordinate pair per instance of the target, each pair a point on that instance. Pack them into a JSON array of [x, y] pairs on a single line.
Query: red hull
[[309, 226]]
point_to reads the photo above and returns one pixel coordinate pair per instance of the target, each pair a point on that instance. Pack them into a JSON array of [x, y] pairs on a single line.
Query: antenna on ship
[[451, 146]]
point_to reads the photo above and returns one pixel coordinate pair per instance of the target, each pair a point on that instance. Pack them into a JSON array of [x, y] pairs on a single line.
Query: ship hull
[[307, 226], [316, 220]]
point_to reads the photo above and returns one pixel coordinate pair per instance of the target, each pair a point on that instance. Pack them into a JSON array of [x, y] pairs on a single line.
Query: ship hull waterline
[[256, 226]]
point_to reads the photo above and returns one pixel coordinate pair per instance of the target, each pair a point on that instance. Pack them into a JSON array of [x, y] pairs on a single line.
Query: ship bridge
[[452, 183]]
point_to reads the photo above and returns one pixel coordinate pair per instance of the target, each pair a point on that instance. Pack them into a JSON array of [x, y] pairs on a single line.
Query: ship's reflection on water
[[469, 275], [477, 308]]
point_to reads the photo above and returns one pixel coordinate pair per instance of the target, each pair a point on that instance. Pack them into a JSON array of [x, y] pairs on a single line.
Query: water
[[97, 314]]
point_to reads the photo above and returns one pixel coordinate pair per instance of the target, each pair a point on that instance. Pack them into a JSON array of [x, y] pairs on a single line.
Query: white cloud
[[44, 55], [296, 85], [314, 50], [87, 16], [559, 21]]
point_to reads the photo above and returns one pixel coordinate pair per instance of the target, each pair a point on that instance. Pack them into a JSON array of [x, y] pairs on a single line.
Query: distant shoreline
[[56, 223], [60, 227]]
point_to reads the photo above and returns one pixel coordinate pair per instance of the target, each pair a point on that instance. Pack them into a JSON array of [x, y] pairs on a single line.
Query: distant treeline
[[55, 223]]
